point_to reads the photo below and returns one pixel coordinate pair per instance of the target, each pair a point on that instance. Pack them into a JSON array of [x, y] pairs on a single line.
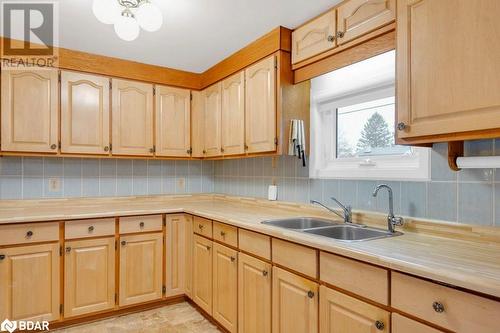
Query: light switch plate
[[272, 193], [54, 184], [181, 184]]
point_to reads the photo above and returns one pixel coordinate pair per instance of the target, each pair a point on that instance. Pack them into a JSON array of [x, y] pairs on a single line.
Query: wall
[[469, 196]]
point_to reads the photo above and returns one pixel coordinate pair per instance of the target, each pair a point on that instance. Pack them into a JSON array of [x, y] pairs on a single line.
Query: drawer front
[[296, 257], [226, 234], [202, 226], [401, 324], [446, 307], [133, 224], [29, 233], [362, 279], [89, 228], [255, 243]]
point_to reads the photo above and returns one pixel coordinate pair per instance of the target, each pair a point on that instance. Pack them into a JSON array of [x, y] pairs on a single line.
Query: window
[[352, 125]]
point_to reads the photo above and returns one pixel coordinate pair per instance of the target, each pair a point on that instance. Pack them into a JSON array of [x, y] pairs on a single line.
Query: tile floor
[[176, 318]]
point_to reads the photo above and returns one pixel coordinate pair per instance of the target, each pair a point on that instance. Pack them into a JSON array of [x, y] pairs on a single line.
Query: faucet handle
[[397, 221]]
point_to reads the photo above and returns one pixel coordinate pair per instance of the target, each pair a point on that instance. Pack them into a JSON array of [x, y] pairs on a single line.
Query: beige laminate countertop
[[468, 264]]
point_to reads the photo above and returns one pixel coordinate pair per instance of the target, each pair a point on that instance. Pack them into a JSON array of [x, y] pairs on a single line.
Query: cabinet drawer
[[444, 306], [145, 223], [29, 233], [296, 257], [255, 243], [202, 226], [89, 228], [226, 234], [401, 324], [362, 279]]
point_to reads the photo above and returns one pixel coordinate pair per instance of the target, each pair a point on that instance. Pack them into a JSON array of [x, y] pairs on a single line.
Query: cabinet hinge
[[190, 151], [275, 63], [164, 290], [110, 84], [60, 251], [61, 308], [276, 141], [116, 298], [59, 77], [154, 91], [154, 149], [59, 144], [110, 147], [116, 244]]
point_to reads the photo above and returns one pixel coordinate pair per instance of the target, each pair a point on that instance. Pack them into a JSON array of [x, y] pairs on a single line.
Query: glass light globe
[[149, 17], [106, 11], [127, 28]]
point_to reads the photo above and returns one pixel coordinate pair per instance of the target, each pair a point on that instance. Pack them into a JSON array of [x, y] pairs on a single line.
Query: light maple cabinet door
[[175, 254], [260, 106], [173, 122], [141, 268], [212, 118], [29, 116], [401, 324], [447, 67], [225, 287], [254, 295], [89, 276], [295, 303], [342, 313], [358, 17], [132, 118], [188, 229], [202, 273], [314, 37], [84, 113], [233, 115], [29, 288]]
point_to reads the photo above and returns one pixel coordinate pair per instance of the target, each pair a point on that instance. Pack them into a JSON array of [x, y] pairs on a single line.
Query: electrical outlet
[[181, 184], [54, 184]]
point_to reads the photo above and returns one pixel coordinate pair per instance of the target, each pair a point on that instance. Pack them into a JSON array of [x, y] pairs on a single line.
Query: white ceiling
[[196, 34]]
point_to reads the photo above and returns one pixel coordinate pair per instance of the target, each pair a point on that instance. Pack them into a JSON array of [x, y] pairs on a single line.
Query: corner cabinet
[[447, 70], [23, 92], [212, 116], [175, 254]]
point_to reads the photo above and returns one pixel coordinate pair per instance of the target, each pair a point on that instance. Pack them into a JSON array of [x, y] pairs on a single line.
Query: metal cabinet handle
[[438, 307], [222, 150], [151, 150], [141, 225], [264, 273], [2, 256], [200, 226], [123, 243], [29, 234], [53, 146], [208, 248], [91, 228], [233, 259], [106, 148], [68, 249], [223, 234], [340, 34], [379, 325], [402, 126], [204, 151], [310, 294], [246, 147], [331, 38]]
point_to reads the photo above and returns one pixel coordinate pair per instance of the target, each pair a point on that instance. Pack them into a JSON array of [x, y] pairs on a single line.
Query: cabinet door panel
[[402, 324], [225, 286], [132, 124], [141, 269], [254, 295], [30, 111], [212, 120], [202, 273], [30, 282], [233, 115], [189, 255], [175, 254], [260, 106], [89, 276], [173, 121], [84, 113], [295, 303]]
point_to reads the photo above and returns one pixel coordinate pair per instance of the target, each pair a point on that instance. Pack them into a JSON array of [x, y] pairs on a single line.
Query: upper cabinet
[[30, 111], [260, 106], [212, 120], [173, 122], [84, 113], [314, 37], [233, 114], [132, 118], [447, 69]]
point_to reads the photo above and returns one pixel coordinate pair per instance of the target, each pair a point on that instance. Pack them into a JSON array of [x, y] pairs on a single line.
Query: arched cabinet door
[[212, 120], [233, 115]]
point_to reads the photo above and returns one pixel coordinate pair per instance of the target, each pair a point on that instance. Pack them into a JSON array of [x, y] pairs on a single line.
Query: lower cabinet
[[29, 282], [401, 324], [175, 255], [188, 229], [341, 313], [89, 276], [141, 268], [202, 273], [225, 287], [254, 295], [295, 303]]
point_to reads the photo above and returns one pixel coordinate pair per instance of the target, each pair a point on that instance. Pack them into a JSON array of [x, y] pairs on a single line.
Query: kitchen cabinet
[[342, 313], [212, 118], [173, 122], [254, 295], [401, 324], [295, 303], [314, 37], [175, 254], [260, 106], [141, 268], [132, 118], [358, 17], [225, 286], [84, 113], [188, 232], [447, 69], [202, 273], [89, 276], [29, 118], [30, 282], [233, 115]]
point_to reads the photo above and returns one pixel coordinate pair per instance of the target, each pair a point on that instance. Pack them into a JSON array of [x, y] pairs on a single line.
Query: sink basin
[[301, 223], [351, 233]]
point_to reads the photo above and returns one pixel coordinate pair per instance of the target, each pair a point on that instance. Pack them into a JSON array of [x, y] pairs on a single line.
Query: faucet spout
[[392, 221], [347, 216]]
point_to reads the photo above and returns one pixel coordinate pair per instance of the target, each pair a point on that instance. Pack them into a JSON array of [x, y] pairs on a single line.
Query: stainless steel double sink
[[331, 229]]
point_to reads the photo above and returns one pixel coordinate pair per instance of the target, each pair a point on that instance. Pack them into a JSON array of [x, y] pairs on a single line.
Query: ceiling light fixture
[[128, 16]]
